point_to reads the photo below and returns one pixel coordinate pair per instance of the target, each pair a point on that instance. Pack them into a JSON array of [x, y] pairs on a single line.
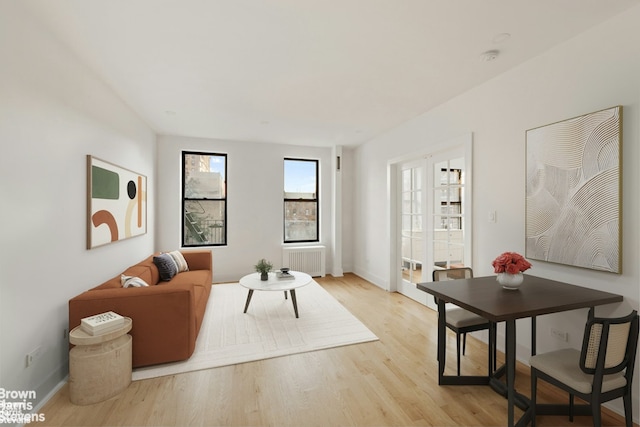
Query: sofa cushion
[[153, 269], [195, 277], [166, 266], [109, 284], [142, 271]]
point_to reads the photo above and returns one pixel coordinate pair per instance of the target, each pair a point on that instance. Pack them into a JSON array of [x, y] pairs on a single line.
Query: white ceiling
[[309, 72]]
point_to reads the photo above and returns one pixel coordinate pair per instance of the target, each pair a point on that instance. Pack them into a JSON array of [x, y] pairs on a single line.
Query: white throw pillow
[[132, 282]]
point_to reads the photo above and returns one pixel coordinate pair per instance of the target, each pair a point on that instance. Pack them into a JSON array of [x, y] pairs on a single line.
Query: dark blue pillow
[[166, 266]]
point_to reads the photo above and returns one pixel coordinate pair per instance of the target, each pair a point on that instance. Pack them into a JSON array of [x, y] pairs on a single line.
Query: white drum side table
[[99, 365]]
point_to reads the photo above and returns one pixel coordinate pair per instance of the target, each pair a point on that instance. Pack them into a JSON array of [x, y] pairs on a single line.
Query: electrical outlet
[[560, 334], [33, 356]]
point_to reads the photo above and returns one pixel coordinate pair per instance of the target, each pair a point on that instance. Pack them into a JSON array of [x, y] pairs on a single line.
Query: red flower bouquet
[[511, 263]]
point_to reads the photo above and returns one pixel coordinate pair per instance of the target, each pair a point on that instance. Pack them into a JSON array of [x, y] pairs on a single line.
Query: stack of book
[[284, 274], [102, 323]]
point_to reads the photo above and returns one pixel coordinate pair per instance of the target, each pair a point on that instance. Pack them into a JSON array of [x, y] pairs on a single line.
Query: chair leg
[[458, 350], [571, 399], [628, 416], [464, 343], [596, 414], [532, 404]]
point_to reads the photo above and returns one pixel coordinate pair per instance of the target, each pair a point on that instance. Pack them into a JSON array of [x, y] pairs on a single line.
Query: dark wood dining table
[[486, 297]]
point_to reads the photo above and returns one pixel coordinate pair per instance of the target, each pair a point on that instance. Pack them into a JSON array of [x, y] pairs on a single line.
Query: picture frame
[[574, 191], [116, 203]]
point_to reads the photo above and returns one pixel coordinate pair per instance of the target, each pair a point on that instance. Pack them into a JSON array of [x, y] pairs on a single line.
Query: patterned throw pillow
[[167, 267], [179, 260], [132, 282]]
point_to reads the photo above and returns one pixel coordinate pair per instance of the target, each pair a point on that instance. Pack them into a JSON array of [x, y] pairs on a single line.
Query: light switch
[[492, 217]]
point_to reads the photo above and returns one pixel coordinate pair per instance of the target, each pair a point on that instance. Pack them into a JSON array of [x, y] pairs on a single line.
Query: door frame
[[408, 288], [394, 167]]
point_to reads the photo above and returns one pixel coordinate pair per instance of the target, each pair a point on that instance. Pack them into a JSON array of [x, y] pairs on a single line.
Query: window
[[204, 199], [448, 213], [300, 200], [450, 198]]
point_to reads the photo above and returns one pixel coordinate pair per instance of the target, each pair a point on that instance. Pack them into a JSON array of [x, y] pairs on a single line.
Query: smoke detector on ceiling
[[490, 55], [501, 38]]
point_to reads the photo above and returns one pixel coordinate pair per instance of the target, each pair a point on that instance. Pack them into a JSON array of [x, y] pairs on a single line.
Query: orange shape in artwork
[[105, 217]]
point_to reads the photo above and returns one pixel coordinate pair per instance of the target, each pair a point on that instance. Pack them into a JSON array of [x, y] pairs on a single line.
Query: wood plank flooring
[[390, 382]]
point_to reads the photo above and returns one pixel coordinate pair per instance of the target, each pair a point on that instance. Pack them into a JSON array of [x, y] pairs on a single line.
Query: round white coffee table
[[253, 283]]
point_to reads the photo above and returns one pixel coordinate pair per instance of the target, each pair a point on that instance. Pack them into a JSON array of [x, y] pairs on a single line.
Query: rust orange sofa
[[167, 315]]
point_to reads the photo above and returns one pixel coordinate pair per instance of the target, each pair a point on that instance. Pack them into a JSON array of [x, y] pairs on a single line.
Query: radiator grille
[[308, 259]]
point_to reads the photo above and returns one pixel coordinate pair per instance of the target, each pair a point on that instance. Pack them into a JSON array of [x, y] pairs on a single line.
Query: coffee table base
[[293, 300]]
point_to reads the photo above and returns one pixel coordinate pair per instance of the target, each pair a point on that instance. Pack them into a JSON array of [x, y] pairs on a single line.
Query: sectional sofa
[[167, 310]]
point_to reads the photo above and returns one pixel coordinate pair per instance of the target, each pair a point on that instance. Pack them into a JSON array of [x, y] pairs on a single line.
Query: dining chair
[[459, 320], [601, 371]]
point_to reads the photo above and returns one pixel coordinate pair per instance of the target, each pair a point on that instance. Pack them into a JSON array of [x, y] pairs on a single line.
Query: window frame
[[315, 200], [186, 199]]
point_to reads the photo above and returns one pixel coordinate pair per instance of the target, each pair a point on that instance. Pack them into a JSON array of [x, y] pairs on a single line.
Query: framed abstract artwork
[[574, 191], [116, 203]]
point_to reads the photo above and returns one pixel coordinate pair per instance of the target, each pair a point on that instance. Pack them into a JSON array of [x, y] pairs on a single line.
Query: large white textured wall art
[[574, 188]]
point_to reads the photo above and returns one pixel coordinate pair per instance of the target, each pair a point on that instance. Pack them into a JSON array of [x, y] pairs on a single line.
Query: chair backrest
[[452, 274], [610, 345]]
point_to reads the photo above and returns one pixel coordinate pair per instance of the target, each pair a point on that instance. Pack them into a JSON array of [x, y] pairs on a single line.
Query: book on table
[[284, 275], [102, 323]]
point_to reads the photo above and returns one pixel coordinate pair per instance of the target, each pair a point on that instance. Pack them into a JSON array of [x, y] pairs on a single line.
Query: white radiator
[[308, 259]]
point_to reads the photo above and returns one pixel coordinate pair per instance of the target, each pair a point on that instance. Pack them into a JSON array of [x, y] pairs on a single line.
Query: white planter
[[510, 281]]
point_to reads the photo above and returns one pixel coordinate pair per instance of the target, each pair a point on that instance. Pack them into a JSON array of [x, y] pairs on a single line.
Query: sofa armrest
[[199, 259], [164, 318]]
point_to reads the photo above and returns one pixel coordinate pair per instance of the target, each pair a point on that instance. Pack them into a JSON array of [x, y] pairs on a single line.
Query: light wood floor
[[390, 382]]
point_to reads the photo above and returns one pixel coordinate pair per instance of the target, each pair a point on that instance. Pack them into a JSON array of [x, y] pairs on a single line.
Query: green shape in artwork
[[104, 184]]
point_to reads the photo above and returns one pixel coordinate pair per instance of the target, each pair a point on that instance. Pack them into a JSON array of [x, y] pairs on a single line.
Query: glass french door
[[448, 215], [412, 222], [433, 217]]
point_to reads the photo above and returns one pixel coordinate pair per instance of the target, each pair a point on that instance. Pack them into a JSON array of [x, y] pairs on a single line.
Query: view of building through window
[[300, 200], [204, 199]]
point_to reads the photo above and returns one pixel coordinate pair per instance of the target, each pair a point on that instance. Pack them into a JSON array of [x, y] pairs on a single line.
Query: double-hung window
[[300, 200], [204, 199]]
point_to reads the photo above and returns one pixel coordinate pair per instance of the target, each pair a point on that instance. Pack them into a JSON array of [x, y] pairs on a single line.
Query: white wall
[[596, 70], [53, 112], [255, 185]]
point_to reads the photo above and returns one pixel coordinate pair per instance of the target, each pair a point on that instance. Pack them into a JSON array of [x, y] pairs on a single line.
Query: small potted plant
[[263, 267]]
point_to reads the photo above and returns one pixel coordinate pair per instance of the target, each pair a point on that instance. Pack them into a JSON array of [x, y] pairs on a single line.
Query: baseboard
[[378, 281], [51, 393]]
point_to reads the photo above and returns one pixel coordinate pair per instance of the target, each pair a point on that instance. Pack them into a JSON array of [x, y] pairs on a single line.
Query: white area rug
[[268, 329]]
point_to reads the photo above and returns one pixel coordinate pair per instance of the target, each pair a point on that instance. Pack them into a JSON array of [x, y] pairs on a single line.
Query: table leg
[[511, 369], [295, 302], [442, 335], [246, 305], [533, 335], [492, 346]]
